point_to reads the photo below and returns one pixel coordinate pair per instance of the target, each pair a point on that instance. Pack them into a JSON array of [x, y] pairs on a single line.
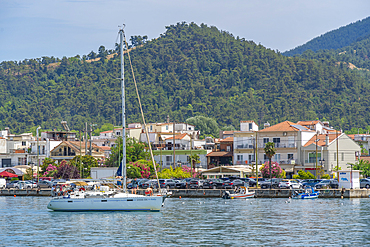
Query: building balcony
[[280, 145]]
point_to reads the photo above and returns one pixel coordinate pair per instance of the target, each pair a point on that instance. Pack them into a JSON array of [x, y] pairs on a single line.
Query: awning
[[8, 174], [227, 171]]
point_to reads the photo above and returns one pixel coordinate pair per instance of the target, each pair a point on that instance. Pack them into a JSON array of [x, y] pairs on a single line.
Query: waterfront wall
[[202, 193]]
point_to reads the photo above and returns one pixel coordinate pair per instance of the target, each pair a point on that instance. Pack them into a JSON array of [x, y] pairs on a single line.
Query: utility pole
[[174, 154], [337, 156], [80, 156], [38, 149], [85, 138], [316, 157], [256, 159]]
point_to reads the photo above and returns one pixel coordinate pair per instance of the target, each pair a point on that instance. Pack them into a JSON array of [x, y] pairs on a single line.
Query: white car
[[25, 185], [290, 184]]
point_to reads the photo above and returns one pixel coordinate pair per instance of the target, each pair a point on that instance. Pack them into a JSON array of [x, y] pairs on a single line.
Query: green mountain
[[336, 39], [188, 71]]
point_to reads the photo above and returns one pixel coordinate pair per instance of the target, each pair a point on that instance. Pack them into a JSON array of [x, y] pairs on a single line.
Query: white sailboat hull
[[126, 203]]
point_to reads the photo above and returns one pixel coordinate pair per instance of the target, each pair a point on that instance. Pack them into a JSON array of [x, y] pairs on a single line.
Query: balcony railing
[[280, 145]]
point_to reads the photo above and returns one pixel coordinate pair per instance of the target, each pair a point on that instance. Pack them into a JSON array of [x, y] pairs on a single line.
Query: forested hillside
[[336, 39], [189, 71]]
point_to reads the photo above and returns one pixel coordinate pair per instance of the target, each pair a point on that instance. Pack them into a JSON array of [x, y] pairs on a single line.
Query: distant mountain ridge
[[189, 71], [336, 39]]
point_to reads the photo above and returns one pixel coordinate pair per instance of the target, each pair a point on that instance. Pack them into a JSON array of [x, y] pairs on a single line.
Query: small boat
[[242, 193], [309, 193]]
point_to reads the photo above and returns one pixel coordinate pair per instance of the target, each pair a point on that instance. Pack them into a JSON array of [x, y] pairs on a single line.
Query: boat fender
[[81, 189]]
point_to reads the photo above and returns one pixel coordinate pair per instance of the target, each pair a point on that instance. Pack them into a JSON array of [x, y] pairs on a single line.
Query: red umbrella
[[7, 174]]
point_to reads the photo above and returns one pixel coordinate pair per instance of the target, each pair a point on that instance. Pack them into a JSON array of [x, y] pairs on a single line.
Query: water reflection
[[191, 222]]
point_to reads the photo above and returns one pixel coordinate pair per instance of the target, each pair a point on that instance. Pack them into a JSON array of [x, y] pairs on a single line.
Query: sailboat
[[105, 199]]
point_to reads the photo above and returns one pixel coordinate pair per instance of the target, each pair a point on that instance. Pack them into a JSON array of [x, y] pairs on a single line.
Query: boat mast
[[123, 112]]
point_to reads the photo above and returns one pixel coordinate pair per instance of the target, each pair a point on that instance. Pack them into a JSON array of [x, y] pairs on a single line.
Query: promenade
[[215, 193]]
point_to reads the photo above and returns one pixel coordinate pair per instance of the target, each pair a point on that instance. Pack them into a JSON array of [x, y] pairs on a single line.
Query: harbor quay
[[215, 193]]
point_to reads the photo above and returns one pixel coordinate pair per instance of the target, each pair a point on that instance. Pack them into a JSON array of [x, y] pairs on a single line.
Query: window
[[250, 126], [342, 156], [228, 148], [151, 127], [276, 158], [266, 140], [276, 140], [312, 157], [118, 133], [166, 127], [290, 156], [335, 156], [239, 157], [24, 144]]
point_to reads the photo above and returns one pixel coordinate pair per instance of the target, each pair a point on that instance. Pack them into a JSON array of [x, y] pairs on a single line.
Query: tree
[[194, 159], [270, 152], [304, 175], [276, 171], [135, 151], [67, 171], [206, 125], [364, 167], [87, 161]]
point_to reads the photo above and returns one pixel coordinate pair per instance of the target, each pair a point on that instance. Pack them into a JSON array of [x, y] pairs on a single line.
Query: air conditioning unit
[[285, 133]]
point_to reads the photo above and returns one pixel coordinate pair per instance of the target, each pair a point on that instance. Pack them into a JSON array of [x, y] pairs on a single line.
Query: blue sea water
[[25, 221]]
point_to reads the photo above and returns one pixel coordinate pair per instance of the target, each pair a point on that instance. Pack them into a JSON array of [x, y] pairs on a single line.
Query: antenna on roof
[[65, 126]]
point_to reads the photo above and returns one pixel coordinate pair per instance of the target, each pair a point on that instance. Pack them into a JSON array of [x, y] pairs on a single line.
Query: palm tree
[[270, 151], [194, 159]]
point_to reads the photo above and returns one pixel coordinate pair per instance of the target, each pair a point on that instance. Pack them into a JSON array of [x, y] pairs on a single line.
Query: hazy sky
[[36, 28]]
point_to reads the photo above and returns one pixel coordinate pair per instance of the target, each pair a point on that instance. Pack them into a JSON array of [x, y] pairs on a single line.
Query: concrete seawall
[[203, 193]]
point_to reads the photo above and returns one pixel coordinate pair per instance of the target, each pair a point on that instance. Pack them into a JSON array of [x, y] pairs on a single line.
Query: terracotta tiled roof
[[283, 126], [19, 151], [104, 148], [229, 139], [108, 131], [248, 121], [304, 123], [228, 132], [322, 139], [178, 137], [351, 136], [219, 154]]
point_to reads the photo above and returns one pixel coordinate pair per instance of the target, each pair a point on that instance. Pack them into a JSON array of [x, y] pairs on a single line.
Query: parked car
[[251, 181], [290, 184], [196, 184], [327, 183], [142, 183], [181, 184], [11, 184], [167, 183], [149, 184], [365, 183], [228, 184], [213, 183], [310, 182], [2, 183], [44, 184], [25, 185], [267, 183]]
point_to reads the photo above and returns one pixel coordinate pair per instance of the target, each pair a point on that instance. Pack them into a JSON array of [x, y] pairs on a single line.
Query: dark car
[[239, 182], [142, 184], [213, 183], [328, 183], [365, 183], [167, 183], [181, 184], [228, 184], [196, 184], [251, 182], [44, 184], [274, 182], [310, 182]]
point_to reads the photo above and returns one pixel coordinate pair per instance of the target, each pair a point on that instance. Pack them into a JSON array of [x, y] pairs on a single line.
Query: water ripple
[[25, 221]]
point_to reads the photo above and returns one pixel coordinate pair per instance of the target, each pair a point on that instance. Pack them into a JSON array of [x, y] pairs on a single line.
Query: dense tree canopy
[[189, 71]]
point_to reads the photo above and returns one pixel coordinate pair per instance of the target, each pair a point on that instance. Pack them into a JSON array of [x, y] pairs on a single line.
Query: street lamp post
[[321, 161], [37, 150]]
